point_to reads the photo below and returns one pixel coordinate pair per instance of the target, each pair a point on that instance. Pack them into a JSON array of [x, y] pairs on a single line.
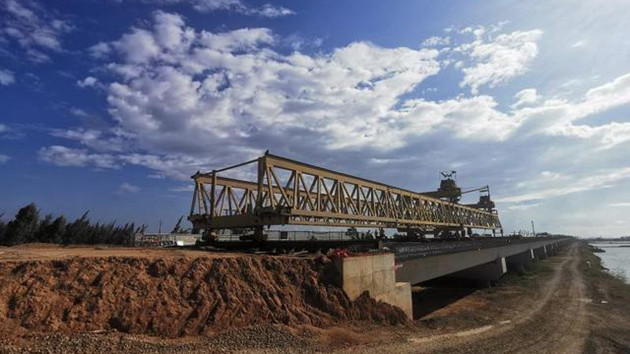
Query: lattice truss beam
[[291, 192]]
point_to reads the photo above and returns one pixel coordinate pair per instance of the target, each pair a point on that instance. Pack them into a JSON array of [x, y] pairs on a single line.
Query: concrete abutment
[[375, 274]]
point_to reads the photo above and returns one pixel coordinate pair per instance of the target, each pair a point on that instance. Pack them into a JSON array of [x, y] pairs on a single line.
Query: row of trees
[[28, 227]]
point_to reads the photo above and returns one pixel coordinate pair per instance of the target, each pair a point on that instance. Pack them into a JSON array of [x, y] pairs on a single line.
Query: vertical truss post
[[262, 168], [213, 188]]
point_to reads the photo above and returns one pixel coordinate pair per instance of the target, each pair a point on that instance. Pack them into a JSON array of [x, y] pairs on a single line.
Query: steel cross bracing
[[291, 192]]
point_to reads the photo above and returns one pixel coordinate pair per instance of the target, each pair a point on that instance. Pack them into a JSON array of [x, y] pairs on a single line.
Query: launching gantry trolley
[[289, 192]]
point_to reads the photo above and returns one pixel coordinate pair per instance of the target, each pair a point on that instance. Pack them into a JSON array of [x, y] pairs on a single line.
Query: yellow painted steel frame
[[292, 192]]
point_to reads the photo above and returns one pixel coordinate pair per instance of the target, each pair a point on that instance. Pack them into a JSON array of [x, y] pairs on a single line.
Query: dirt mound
[[177, 296]]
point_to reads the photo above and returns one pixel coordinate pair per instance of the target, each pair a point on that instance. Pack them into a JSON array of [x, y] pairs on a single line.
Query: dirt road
[[554, 321]]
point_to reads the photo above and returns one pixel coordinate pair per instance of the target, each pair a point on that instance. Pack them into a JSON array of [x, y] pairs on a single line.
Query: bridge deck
[[410, 250], [420, 262]]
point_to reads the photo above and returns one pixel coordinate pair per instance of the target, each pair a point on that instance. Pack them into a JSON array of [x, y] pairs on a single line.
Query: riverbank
[[615, 256], [610, 310], [564, 304]]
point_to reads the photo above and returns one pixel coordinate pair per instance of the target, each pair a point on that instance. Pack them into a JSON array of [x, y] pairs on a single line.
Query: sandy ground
[[553, 320], [50, 252], [565, 305]]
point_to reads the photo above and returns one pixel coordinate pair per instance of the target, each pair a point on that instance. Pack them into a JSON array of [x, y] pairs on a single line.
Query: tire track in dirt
[[557, 322]]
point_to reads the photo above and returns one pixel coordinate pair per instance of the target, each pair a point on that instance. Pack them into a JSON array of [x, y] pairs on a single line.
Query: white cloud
[[436, 41], [6, 77], [128, 188], [558, 117], [525, 97], [185, 87], [89, 81], [64, 156], [268, 10], [179, 95], [78, 112], [4, 158], [620, 205], [497, 60], [94, 139], [550, 185], [171, 165], [579, 44], [238, 6], [35, 29], [186, 188], [521, 207], [100, 50]]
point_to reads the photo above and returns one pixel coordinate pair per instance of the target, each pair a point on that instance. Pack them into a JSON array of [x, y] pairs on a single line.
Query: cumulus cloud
[[179, 94], [35, 29], [184, 87], [495, 60], [128, 188], [6, 77]]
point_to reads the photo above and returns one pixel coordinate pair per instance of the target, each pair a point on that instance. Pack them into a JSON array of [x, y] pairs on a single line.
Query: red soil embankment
[[176, 296]]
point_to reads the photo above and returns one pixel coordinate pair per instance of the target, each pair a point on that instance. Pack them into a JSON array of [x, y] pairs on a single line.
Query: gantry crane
[[289, 192]]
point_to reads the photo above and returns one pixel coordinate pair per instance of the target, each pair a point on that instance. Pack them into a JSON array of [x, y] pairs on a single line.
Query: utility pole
[[533, 229], [160, 227]]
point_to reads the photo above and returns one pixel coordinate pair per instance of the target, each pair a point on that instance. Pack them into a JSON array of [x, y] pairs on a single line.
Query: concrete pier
[[521, 262], [540, 253], [487, 271]]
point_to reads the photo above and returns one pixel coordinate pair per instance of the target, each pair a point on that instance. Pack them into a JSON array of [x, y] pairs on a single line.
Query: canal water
[[616, 258]]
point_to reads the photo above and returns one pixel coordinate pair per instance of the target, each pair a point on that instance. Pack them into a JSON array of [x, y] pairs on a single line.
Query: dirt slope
[[176, 296]]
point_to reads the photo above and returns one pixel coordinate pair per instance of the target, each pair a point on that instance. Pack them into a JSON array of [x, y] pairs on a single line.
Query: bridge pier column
[[488, 271], [540, 253], [520, 262]]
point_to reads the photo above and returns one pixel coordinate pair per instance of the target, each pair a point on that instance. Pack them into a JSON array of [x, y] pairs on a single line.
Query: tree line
[[27, 227]]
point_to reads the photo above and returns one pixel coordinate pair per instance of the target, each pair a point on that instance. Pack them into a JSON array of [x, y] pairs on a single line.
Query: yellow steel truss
[[292, 192]]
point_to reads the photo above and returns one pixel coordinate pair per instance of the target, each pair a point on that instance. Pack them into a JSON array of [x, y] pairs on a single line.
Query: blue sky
[[110, 106]]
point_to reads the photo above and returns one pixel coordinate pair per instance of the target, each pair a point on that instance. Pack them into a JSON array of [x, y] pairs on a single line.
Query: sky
[[111, 105]]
